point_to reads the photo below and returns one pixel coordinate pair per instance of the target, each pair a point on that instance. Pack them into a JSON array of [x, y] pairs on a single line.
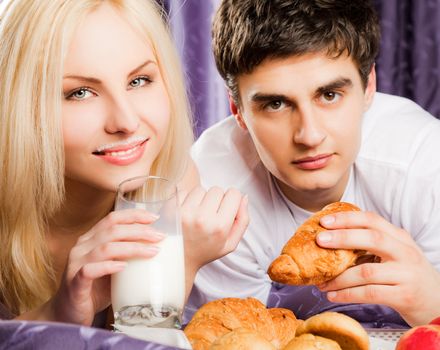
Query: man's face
[[304, 115]]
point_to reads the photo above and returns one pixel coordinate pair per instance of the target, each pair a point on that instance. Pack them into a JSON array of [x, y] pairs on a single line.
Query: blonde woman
[[91, 94]]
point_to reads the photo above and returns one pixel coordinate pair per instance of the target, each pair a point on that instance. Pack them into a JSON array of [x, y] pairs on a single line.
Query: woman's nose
[[121, 117]]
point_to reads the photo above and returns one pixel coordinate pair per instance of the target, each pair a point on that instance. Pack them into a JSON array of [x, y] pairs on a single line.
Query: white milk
[[156, 281]]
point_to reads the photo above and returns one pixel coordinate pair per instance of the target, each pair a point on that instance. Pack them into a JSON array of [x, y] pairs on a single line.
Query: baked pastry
[[346, 331], [303, 262], [243, 339], [309, 341], [219, 317], [285, 324]]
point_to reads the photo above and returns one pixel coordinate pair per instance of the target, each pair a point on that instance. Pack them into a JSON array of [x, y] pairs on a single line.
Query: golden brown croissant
[[219, 317], [303, 262]]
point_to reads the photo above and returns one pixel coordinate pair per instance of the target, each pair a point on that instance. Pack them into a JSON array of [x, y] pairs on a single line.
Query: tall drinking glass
[[151, 292]]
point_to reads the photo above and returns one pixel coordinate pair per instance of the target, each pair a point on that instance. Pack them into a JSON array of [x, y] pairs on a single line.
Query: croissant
[[303, 262], [219, 317]]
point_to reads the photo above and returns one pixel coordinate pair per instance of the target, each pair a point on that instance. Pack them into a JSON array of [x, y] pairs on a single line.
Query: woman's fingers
[[193, 199], [239, 226], [89, 272], [120, 217], [215, 220], [121, 251], [229, 205], [211, 201]]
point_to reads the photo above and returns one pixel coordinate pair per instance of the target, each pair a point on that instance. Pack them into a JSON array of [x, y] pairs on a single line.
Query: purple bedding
[[305, 301]]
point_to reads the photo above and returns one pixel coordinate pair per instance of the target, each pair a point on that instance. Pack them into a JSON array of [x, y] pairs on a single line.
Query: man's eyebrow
[[97, 81], [334, 85], [261, 97]]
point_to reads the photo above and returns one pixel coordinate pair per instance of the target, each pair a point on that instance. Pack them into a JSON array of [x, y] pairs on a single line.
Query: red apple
[[425, 337], [435, 321]]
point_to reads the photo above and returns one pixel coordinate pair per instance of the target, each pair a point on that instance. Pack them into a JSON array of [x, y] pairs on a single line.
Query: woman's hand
[[213, 223], [404, 280], [102, 251]]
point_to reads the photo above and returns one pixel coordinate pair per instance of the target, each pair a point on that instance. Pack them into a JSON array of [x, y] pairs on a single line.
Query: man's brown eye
[[274, 105], [329, 96]]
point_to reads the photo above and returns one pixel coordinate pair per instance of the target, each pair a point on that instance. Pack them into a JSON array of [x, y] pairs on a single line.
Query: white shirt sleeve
[[420, 204]]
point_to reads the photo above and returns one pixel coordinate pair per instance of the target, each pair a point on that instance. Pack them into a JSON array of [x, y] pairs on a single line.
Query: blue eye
[[80, 94], [139, 82]]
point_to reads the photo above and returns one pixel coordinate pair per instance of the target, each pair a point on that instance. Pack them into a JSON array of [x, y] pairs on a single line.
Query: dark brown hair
[[247, 32]]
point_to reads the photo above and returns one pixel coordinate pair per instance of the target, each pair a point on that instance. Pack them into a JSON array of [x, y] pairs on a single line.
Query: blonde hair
[[35, 36]]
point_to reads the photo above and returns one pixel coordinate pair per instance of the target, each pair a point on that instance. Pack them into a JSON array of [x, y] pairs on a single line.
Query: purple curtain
[[408, 64], [191, 27], [409, 60]]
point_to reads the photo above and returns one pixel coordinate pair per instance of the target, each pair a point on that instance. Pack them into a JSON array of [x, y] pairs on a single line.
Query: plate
[[384, 339], [380, 344]]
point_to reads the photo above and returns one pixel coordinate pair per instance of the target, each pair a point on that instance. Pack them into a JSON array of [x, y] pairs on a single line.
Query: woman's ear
[[235, 110]]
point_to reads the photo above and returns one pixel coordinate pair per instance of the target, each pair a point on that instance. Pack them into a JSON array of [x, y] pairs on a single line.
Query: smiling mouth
[[121, 152]]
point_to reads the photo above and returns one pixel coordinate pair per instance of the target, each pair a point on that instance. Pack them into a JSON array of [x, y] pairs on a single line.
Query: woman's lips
[[313, 163], [123, 155]]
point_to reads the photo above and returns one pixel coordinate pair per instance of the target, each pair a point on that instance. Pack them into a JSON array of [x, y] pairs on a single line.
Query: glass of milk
[[151, 292]]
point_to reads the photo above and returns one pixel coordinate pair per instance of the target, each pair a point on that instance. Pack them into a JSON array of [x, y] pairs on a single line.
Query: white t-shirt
[[396, 174]]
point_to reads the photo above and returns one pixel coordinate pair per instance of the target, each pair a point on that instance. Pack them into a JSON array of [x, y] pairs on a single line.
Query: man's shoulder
[[394, 128], [224, 154]]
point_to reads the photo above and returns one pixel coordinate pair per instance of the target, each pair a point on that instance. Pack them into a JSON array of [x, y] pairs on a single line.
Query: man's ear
[[236, 113], [370, 89]]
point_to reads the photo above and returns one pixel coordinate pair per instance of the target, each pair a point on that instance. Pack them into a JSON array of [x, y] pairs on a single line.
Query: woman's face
[[115, 110]]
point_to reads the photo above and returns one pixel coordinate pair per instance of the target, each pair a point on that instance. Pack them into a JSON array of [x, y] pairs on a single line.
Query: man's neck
[[314, 201]]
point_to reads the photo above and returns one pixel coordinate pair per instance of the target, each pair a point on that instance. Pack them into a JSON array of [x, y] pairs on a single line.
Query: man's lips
[[312, 163]]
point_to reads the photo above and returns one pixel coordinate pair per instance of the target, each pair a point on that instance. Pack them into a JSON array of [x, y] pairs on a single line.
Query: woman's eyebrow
[[97, 81]]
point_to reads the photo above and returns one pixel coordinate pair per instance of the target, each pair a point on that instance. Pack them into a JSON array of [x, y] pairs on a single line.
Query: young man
[[309, 129]]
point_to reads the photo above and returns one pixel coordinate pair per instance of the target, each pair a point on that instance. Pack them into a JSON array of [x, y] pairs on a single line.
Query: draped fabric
[[191, 26], [409, 60], [408, 64], [307, 301], [25, 335]]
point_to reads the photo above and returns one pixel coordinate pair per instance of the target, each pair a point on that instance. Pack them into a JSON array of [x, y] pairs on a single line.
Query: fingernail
[[246, 199], [324, 237], [327, 220]]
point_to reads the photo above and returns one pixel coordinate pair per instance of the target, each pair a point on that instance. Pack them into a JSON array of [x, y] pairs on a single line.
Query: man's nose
[[309, 132]]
